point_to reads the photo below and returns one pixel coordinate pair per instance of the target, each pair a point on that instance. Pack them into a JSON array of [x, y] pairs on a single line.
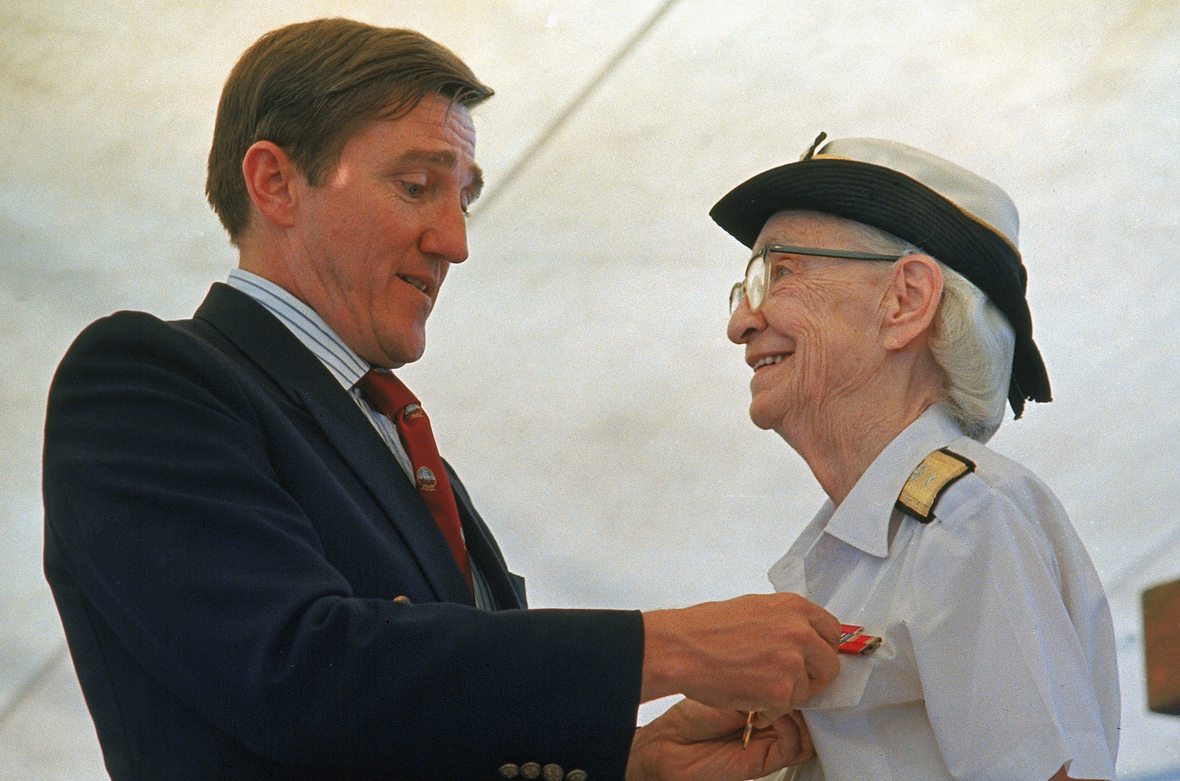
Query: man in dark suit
[[260, 571]]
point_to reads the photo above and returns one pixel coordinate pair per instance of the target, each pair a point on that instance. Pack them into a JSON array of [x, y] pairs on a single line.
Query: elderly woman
[[884, 317]]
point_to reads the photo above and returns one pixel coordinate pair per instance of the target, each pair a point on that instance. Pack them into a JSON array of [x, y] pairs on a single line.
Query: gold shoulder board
[[927, 482]]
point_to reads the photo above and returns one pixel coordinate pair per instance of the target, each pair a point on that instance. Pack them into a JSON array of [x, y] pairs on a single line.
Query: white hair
[[971, 341]]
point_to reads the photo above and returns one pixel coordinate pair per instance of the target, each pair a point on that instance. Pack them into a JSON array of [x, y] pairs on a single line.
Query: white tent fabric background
[[578, 372]]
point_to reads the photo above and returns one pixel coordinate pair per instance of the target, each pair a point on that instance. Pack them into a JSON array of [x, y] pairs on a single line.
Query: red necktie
[[398, 403]]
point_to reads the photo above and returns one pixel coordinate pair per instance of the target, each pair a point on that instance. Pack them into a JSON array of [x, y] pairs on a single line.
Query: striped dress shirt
[[344, 364]]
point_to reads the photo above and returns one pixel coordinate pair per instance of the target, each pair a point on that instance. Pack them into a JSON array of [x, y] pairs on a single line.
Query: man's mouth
[[415, 282], [769, 360]]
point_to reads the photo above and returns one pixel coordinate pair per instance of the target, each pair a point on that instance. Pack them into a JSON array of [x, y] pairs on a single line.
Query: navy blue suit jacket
[[225, 533]]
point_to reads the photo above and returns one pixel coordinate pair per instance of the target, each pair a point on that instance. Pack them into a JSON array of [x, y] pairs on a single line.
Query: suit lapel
[[360, 446], [508, 589], [267, 343]]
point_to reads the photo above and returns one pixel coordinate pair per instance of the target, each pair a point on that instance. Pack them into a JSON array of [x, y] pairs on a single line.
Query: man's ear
[[271, 181], [912, 300]]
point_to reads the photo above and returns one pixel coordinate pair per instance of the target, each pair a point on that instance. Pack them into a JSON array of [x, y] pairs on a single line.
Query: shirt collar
[[862, 519], [307, 326]]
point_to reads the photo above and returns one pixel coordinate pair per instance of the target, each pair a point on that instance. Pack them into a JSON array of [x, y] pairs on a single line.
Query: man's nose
[[446, 236]]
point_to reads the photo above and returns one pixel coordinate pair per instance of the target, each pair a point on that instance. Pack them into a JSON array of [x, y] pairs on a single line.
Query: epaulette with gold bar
[[937, 472]]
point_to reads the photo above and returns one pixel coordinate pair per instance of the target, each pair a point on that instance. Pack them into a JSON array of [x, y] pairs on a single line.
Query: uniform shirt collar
[[862, 519]]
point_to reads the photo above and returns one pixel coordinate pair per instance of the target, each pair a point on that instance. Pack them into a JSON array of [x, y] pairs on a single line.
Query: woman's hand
[[693, 742]]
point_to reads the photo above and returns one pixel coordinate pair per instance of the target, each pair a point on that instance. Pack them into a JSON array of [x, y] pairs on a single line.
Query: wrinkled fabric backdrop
[[577, 370]]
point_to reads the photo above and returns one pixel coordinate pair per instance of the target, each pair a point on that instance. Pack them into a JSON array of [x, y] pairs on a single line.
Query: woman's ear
[[912, 300], [270, 179]]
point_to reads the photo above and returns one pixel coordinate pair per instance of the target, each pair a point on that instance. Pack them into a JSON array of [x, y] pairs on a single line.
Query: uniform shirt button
[[509, 770], [552, 772], [530, 770], [576, 775]]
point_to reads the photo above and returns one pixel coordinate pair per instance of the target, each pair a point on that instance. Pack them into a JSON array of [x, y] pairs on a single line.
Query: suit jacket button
[[402, 600], [530, 770], [576, 775], [552, 772], [509, 771]]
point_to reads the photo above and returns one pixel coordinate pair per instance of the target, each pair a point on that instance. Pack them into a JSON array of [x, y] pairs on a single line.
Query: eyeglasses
[[761, 268]]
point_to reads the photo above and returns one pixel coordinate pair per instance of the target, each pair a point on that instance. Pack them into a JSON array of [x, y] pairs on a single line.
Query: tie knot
[[388, 394]]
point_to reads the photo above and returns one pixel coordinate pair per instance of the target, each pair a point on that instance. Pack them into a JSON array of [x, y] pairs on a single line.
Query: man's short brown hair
[[311, 86]]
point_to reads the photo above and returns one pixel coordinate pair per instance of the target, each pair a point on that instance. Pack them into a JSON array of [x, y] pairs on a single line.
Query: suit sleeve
[[165, 514]]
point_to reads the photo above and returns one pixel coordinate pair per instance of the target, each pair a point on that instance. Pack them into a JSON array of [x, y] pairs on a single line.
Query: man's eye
[[778, 271], [413, 189]]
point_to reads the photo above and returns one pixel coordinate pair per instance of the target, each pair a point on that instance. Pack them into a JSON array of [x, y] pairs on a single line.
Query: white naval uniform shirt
[[998, 659]]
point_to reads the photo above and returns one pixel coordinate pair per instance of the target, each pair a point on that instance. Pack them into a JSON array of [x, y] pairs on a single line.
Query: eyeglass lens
[[753, 287]]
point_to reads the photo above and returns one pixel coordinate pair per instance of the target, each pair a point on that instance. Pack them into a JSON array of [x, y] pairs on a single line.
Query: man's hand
[[764, 653], [693, 742]]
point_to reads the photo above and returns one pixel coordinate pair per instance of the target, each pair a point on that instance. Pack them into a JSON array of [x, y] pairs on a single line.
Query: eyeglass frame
[[739, 289]]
